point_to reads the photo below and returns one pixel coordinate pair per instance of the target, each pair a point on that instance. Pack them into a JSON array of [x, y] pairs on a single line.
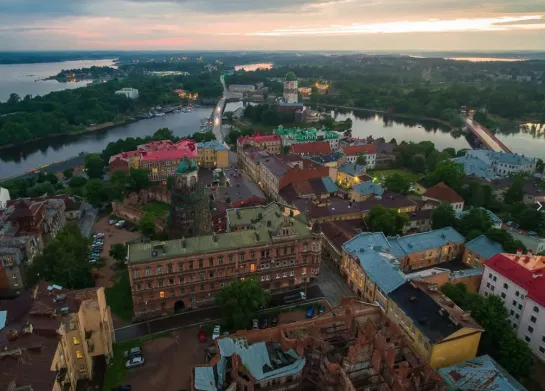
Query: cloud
[[29, 29]]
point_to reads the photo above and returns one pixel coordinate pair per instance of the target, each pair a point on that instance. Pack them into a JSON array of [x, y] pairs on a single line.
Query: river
[[24, 79]]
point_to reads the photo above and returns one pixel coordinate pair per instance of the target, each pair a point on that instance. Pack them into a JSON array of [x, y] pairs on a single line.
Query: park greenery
[[240, 300], [499, 340], [63, 261]]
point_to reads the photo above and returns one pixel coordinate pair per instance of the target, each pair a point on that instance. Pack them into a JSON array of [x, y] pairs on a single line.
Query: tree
[[164, 134], [64, 260], [118, 181], [139, 179], [443, 216], [515, 192], [540, 166], [397, 183], [96, 192], [240, 300], [118, 251], [68, 173], [510, 245], [475, 222], [13, 98], [41, 189], [147, 225], [393, 141], [94, 165], [389, 221], [451, 151], [77, 181], [361, 160], [449, 172]]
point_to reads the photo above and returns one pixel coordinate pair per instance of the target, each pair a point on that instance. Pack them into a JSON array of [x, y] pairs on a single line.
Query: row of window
[[282, 275]]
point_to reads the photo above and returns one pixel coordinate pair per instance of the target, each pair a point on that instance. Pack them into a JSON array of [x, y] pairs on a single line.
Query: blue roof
[[484, 247], [282, 103], [324, 159], [330, 186], [204, 379], [478, 271], [476, 167], [367, 188], [3, 317], [495, 219], [424, 241], [213, 144], [366, 240], [479, 162], [480, 373], [351, 169]]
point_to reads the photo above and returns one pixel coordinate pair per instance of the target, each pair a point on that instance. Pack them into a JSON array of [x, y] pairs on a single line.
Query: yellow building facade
[[212, 154]]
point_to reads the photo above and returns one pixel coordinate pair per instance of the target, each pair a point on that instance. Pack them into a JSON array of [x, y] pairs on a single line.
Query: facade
[[352, 347], [278, 250], [189, 206], [534, 243], [442, 193], [271, 171], [486, 164], [419, 221], [14, 253], [162, 158], [54, 338], [290, 88], [385, 154], [368, 151], [269, 143], [480, 250], [291, 136], [348, 174], [212, 154], [519, 279], [131, 93], [4, 198], [241, 88], [365, 190]]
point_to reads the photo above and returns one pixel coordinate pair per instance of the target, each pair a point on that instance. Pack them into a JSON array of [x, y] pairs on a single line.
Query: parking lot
[[112, 235]]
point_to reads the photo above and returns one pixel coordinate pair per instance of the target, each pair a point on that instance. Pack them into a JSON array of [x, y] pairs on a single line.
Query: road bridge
[[486, 137]]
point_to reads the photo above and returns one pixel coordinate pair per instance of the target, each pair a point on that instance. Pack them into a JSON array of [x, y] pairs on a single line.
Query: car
[[264, 322], [133, 352], [135, 362], [123, 387], [310, 312], [274, 321], [532, 233], [217, 331], [321, 309], [202, 336], [255, 324]]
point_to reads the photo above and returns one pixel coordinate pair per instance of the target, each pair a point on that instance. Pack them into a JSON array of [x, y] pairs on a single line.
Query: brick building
[[170, 276], [353, 347]]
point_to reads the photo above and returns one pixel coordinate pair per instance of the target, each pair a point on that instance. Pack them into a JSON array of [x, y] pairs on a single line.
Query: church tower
[[290, 88], [189, 207]]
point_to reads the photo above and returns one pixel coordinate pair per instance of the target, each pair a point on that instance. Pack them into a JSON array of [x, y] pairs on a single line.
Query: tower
[[290, 88], [189, 206]]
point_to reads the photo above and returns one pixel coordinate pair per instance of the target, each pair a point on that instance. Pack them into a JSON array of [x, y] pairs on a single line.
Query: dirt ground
[[169, 362], [112, 235]]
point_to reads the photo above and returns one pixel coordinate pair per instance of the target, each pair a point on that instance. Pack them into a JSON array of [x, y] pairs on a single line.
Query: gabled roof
[[352, 169], [318, 147], [405, 245], [442, 192], [354, 150], [367, 188], [484, 247]]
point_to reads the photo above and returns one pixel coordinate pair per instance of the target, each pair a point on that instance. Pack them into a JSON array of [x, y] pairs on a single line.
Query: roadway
[[218, 111], [485, 137]]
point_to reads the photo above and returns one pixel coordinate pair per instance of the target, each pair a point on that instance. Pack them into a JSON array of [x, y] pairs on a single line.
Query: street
[[196, 317], [87, 219], [332, 284]]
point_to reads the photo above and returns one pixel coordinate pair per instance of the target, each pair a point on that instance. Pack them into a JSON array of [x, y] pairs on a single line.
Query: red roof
[[316, 148], [442, 192], [168, 155], [259, 138], [365, 149], [531, 276]]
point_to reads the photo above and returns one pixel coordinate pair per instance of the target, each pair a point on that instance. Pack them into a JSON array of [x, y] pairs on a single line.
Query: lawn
[[407, 175], [156, 208], [119, 297], [116, 371]]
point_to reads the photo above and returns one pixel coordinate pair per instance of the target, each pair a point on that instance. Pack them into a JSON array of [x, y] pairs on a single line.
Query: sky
[[367, 25]]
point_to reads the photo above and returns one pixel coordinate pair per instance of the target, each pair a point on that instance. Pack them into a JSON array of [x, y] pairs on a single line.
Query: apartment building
[[352, 347], [212, 154], [279, 250], [54, 338], [480, 250], [486, 164], [269, 143], [519, 279], [368, 151], [162, 158]]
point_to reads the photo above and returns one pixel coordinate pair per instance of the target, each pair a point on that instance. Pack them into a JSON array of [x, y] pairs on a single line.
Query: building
[[519, 279], [440, 276], [212, 154], [124, 161], [55, 339], [534, 243], [131, 93], [4, 198], [335, 234], [486, 164], [290, 88], [442, 193], [419, 221], [241, 88], [308, 149], [291, 136], [279, 250], [350, 174], [271, 170], [482, 373], [385, 154], [368, 151], [269, 143], [365, 190], [495, 220], [440, 331], [161, 158], [352, 347], [189, 205], [306, 91], [480, 250], [533, 189]]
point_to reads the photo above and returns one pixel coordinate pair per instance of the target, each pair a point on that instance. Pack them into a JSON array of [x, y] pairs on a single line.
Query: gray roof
[[424, 241], [484, 247], [276, 166]]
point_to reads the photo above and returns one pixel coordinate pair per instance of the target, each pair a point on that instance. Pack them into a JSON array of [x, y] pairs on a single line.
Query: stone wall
[[147, 195], [134, 215]]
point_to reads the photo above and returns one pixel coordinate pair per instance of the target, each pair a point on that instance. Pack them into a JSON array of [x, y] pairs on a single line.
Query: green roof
[[186, 165], [306, 135], [290, 76], [258, 216]]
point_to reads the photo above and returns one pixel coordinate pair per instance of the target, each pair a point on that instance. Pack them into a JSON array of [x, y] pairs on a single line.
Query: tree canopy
[[94, 165], [388, 221], [397, 183], [449, 172], [443, 216]]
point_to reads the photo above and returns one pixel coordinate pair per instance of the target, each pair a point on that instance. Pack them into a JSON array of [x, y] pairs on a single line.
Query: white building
[[368, 151], [4, 198], [492, 165], [290, 88], [520, 281], [131, 93], [241, 88]]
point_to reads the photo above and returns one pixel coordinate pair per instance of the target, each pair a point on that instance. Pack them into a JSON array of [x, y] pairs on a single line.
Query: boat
[[159, 114]]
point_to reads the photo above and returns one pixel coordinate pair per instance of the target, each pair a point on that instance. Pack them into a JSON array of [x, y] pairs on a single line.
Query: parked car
[[255, 324], [135, 362], [217, 331], [274, 321], [133, 352], [264, 322], [202, 336], [321, 309], [532, 233], [310, 312]]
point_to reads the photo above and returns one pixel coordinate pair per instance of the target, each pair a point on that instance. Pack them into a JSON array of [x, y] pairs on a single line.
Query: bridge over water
[[486, 137]]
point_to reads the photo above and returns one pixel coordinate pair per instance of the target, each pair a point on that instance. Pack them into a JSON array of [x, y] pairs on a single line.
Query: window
[[169, 268], [533, 319], [541, 350], [148, 271], [201, 263], [488, 285], [150, 284], [137, 273], [76, 340], [520, 306], [162, 294], [505, 286], [78, 354], [221, 260], [512, 312], [202, 287], [517, 316], [292, 273], [514, 303], [159, 270], [536, 310], [527, 339], [277, 275], [530, 329], [285, 274], [210, 261], [230, 258], [252, 267], [211, 274], [503, 295], [161, 282], [517, 293], [241, 257]]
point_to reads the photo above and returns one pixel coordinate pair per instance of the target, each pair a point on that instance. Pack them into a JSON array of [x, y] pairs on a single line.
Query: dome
[[290, 76], [186, 166]]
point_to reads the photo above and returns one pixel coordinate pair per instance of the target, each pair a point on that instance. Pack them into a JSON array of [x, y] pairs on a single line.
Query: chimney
[[530, 253], [519, 252]]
